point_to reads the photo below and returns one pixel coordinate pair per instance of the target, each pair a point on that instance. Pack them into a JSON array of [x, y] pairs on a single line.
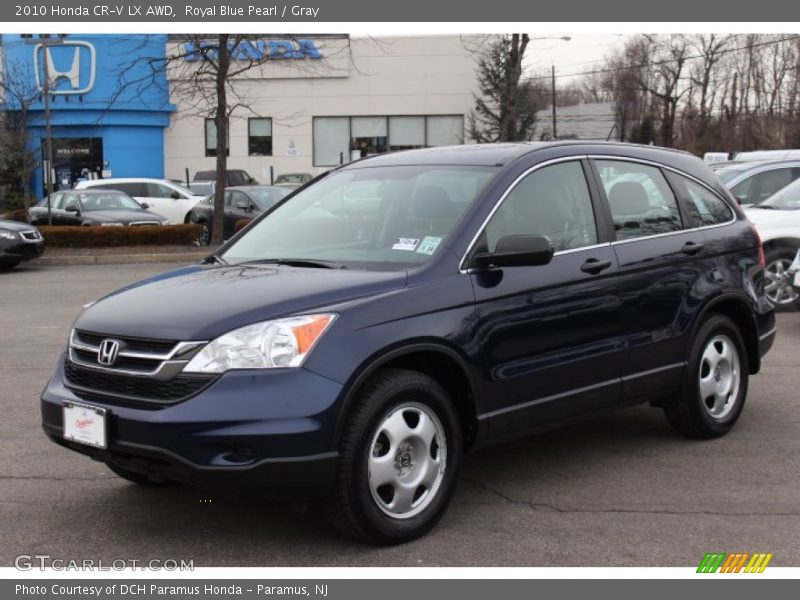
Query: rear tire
[[204, 237], [715, 383], [400, 453], [134, 477]]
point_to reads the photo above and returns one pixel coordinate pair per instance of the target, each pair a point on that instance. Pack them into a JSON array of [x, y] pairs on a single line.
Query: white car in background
[[163, 197], [777, 221]]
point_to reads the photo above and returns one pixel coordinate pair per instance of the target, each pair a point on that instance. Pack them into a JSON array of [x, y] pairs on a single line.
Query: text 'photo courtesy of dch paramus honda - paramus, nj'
[[360, 336]]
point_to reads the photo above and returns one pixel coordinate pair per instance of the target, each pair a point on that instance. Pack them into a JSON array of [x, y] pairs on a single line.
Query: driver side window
[[552, 201]]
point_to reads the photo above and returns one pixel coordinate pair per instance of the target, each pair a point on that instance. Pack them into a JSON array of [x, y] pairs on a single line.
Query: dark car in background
[[93, 207], [233, 177], [18, 242], [355, 345], [245, 202]]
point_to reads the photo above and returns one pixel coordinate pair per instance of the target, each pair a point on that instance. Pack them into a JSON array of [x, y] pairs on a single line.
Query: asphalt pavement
[[623, 490]]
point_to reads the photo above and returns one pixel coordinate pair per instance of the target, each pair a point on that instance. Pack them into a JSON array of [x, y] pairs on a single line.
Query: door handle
[[691, 248], [594, 266]]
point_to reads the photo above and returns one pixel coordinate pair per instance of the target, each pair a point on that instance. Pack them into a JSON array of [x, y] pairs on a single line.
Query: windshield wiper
[[766, 207], [296, 262], [215, 258]]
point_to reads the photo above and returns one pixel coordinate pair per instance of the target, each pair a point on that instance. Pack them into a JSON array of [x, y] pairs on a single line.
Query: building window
[[406, 133], [338, 140], [331, 141], [211, 138], [445, 130], [259, 136], [367, 136]]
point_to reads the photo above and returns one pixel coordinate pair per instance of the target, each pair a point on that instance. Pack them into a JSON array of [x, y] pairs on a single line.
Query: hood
[[203, 302], [121, 216], [15, 225], [765, 217]]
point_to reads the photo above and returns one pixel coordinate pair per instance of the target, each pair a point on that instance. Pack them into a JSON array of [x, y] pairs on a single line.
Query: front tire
[[401, 450], [715, 384], [777, 281]]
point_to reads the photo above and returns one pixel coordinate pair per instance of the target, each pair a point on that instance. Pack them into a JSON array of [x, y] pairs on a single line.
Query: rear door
[[160, 201], [660, 263], [550, 335]]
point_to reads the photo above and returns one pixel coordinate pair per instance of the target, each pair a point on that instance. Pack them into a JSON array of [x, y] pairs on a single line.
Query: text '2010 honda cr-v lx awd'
[[358, 338]]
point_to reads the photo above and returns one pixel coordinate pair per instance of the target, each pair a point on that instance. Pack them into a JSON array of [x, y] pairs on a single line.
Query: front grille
[[143, 345], [139, 368], [133, 387]]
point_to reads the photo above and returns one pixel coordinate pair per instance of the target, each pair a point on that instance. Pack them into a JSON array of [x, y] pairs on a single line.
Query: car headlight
[[279, 343], [111, 224], [6, 234]]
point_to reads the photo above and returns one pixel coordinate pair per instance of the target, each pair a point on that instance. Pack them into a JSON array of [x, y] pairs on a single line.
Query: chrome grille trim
[[164, 366]]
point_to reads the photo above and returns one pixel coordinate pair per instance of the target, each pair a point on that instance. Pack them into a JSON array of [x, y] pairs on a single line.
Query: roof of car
[[486, 154], [123, 179]]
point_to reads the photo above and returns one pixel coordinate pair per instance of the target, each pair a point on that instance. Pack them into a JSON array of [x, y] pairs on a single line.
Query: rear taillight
[[762, 260]]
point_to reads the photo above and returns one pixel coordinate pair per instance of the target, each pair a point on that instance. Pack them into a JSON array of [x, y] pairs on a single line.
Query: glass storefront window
[[259, 136]]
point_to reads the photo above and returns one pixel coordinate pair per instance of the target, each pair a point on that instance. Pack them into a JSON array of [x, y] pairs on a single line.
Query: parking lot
[[623, 490]]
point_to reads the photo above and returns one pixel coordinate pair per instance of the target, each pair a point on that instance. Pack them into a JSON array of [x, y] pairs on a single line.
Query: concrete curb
[[119, 259]]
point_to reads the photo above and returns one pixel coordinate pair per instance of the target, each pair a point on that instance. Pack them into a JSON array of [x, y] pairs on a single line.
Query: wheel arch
[[435, 359], [737, 308]]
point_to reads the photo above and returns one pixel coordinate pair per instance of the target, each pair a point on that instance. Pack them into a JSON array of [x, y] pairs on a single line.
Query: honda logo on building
[[107, 353], [64, 63]]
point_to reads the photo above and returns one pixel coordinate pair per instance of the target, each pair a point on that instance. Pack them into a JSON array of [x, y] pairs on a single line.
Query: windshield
[[382, 218], [108, 201], [787, 198], [268, 197]]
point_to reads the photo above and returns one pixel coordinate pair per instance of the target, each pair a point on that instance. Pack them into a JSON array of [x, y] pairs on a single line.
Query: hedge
[[241, 224], [142, 235]]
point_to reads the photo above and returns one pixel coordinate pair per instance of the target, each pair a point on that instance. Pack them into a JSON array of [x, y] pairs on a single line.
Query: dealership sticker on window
[[429, 245], [405, 244]]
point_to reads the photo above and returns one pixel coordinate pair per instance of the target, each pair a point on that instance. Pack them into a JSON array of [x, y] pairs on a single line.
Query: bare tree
[[18, 156], [212, 76]]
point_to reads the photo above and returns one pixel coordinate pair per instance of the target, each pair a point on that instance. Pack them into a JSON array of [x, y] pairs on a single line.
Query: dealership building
[[316, 102]]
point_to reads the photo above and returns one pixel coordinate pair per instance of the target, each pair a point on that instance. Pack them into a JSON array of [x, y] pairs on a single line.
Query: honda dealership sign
[[71, 66], [257, 50]]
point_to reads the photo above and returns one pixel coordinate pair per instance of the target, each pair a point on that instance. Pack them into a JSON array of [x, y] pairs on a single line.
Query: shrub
[[241, 224], [96, 236]]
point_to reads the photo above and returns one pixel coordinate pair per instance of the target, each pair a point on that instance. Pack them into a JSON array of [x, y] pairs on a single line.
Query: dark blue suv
[[358, 338]]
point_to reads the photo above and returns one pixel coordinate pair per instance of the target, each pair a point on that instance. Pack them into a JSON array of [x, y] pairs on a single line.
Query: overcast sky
[[581, 52]]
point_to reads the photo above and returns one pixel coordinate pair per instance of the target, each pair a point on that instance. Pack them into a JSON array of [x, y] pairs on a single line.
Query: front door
[[550, 335]]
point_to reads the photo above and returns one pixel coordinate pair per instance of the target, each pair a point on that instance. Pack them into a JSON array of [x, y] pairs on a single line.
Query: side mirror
[[241, 205], [144, 205], [175, 196], [73, 208], [518, 251], [252, 180]]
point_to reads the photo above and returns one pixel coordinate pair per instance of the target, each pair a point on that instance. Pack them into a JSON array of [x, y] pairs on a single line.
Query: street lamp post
[[44, 41]]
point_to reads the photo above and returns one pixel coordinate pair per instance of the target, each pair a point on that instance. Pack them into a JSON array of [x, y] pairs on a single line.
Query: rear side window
[[553, 201], [641, 201], [703, 205]]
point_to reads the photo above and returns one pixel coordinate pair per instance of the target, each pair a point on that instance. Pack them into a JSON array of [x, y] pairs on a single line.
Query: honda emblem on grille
[[107, 353]]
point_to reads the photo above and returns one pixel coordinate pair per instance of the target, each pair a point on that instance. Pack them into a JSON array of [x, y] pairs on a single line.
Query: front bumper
[[16, 250], [265, 433]]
